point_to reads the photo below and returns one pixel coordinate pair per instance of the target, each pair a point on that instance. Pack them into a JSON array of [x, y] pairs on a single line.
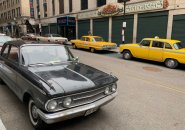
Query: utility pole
[[124, 21]]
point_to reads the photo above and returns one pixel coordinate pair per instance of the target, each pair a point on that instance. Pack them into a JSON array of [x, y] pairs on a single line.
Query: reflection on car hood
[[72, 78]]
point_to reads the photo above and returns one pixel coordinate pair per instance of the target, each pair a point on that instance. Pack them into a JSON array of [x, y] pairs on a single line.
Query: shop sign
[[145, 6], [110, 9]]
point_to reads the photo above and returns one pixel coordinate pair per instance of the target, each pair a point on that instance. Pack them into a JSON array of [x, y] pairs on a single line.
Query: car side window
[[14, 54], [145, 43], [168, 46], [87, 39], [83, 38], [157, 44], [5, 51]]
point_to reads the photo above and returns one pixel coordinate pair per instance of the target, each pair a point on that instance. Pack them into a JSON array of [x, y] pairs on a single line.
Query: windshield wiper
[[40, 64]]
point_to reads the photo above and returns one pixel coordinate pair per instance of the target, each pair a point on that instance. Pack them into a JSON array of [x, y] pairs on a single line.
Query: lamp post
[[124, 21]]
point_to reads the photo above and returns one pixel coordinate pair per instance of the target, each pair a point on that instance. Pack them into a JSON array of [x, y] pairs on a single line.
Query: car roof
[[20, 43], [163, 40], [91, 36]]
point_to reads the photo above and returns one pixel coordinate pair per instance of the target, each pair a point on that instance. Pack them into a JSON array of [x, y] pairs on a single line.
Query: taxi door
[[156, 51], [142, 50], [86, 43]]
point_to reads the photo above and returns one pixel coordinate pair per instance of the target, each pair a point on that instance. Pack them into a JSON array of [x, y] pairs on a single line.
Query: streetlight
[[124, 21]]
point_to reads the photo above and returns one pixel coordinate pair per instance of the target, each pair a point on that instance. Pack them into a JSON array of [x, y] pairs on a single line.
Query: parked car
[[2, 34], [29, 37], [93, 43], [55, 38], [4, 39], [171, 52], [54, 84]]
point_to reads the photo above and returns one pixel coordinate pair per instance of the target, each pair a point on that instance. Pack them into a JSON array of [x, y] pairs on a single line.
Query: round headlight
[[114, 88], [67, 102], [52, 105], [107, 90]]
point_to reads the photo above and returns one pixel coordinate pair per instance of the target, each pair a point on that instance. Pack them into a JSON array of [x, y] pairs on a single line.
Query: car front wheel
[[34, 117], [171, 63], [127, 55], [92, 50]]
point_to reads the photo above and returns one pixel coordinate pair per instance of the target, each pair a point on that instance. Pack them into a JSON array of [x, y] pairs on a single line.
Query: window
[[145, 43], [5, 51], [45, 8], [87, 39], [83, 38], [101, 3], [53, 7], [84, 4], [13, 55], [168, 46], [157, 44], [61, 6], [70, 5]]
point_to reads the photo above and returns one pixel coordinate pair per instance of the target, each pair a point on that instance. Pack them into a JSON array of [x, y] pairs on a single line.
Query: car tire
[[127, 55], [92, 50], [74, 46], [171, 63], [35, 120]]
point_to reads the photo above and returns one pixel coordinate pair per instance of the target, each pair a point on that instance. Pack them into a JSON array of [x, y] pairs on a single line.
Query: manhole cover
[[153, 69]]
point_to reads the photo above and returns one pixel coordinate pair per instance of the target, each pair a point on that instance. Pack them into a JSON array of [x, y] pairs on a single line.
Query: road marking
[[161, 85], [2, 127]]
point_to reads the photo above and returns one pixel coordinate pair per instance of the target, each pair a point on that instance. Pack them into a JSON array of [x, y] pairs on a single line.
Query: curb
[[2, 127]]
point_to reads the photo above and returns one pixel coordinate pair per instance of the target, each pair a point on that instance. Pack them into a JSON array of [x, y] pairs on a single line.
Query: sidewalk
[[2, 127]]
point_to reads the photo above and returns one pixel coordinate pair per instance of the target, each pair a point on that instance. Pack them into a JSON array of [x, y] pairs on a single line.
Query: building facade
[[13, 15], [145, 18]]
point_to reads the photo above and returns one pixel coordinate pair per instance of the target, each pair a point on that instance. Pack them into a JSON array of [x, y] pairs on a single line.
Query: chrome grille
[[87, 97]]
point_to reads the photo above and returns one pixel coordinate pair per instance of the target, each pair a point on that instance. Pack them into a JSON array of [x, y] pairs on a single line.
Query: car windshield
[[55, 35], [47, 54], [97, 39], [179, 45], [4, 39]]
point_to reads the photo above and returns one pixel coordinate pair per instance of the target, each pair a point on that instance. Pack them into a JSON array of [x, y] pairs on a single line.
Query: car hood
[[71, 78]]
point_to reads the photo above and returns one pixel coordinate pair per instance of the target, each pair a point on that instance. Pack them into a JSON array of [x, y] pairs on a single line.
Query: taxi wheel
[[171, 63], [127, 55], [34, 117], [74, 46], [92, 50]]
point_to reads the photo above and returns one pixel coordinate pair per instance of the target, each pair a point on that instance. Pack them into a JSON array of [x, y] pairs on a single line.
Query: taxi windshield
[[97, 39], [179, 45]]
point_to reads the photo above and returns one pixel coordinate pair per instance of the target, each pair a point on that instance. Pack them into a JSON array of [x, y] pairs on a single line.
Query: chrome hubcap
[[34, 112], [127, 55], [171, 63]]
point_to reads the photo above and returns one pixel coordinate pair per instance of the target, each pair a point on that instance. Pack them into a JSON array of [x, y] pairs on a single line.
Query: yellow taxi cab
[[93, 43], [171, 52]]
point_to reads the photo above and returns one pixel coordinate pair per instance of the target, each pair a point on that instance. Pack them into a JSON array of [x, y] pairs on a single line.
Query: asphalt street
[[151, 97]]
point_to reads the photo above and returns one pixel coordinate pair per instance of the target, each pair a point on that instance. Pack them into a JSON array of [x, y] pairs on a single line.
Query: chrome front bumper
[[74, 112]]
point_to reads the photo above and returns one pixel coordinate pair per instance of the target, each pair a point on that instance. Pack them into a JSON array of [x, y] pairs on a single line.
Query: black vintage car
[[54, 84]]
